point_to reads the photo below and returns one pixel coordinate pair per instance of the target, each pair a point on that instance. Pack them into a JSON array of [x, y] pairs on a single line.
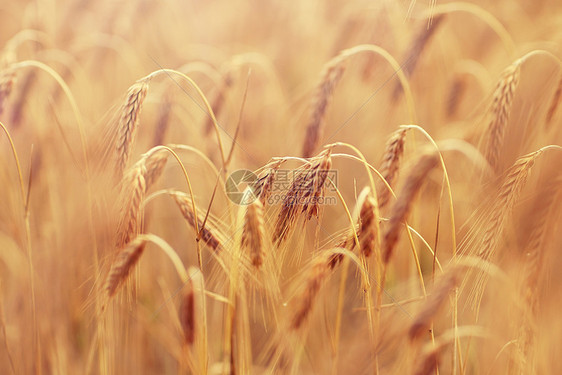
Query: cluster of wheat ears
[[403, 219]]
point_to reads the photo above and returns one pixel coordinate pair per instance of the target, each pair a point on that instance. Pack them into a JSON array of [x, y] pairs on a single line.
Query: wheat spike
[[433, 304], [303, 195], [133, 189], [318, 273], [121, 268], [207, 235], [456, 91], [265, 184], [187, 313], [555, 101], [499, 214], [154, 162], [368, 227], [507, 196], [136, 182], [391, 164], [501, 108], [128, 124], [7, 81], [253, 234], [163, 122], [416, 48], [331, 75], [401, 208]]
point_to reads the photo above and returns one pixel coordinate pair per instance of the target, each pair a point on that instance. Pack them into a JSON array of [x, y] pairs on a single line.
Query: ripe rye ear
[[390, 165], [319, 271], [500, 111], [123, 265], [331, 75], [253, 234], [128, 124], [401, 208]]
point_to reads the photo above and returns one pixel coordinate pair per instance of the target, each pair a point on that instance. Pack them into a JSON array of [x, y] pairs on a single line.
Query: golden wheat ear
[[415, 50], [401, 208], [434, 303], [207, 234], [318, 273], [128, 124], [331, 75], [304, 194], [253, 234], [133, 187], [123, 265], [368, 226], [133, 190], [390, 165], [500, 111], [7, 81]]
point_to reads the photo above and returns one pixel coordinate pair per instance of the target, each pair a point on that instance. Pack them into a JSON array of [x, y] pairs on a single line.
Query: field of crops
[[280, 187]]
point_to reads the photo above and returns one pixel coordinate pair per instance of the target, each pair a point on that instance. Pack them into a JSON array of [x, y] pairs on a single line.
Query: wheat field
[[280, 187]]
